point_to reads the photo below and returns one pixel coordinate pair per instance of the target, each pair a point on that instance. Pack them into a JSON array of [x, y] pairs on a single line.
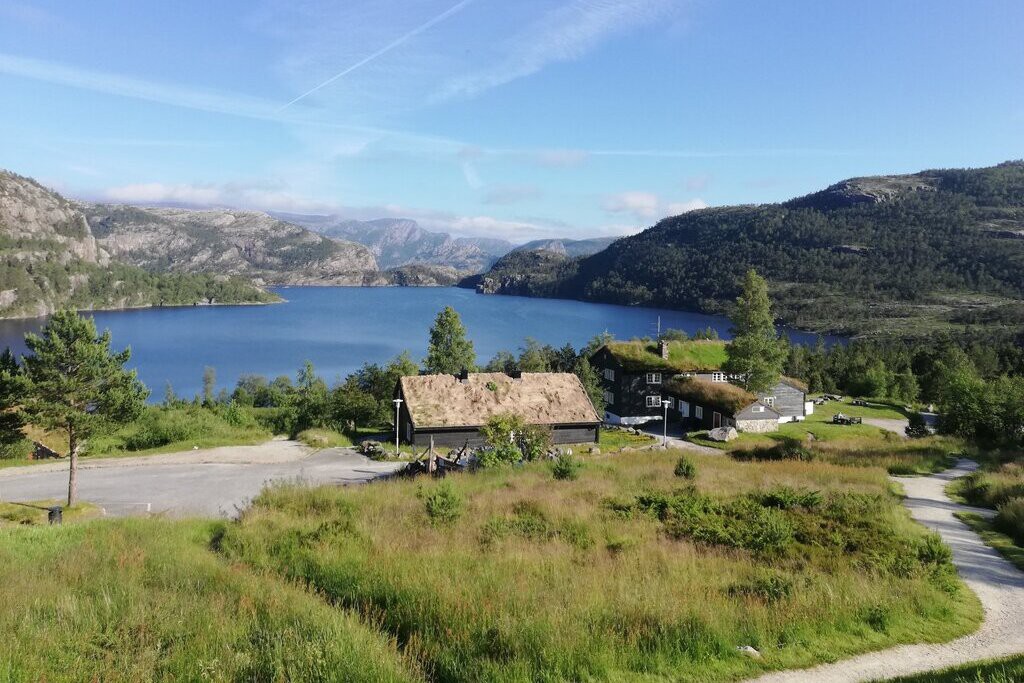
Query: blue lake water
[[340, 328]]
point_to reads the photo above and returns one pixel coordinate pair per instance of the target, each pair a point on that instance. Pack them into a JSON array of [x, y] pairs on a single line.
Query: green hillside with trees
[[936, 250]]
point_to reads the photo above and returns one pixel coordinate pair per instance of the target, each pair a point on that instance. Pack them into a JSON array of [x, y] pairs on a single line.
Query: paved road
[[998, 584], [183, 488]]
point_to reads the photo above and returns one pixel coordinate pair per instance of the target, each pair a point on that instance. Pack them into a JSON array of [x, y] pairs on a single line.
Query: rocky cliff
[[244, 243], [50, 258]]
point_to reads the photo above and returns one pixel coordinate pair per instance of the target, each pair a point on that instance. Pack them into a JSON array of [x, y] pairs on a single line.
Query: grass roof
[[728, 398], [544, 398], [683, 356]]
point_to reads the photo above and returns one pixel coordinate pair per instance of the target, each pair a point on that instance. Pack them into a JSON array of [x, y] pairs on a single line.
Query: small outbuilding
[[453, 408]]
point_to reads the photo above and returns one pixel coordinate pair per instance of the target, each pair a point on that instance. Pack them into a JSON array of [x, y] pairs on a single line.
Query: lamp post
[[664, 443], [398, 403]]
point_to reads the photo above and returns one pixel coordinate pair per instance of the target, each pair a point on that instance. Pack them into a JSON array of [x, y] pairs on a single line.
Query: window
[[717, 420], [684, 409], [717, 376], [757, 409], [769, 400], [609, 398], [698, 412], [609, 374], [654, 378], [654, 401]]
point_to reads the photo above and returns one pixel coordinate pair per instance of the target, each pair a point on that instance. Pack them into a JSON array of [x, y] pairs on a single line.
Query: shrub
[[577, 534], [1010, 520], [685, 468], [916, 427], [566, 467], [769, 587], [933, 551], [786, 498], [878, 617], [443, 504]]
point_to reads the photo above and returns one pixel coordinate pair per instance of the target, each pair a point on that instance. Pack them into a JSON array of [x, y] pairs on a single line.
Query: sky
[[518, 119]]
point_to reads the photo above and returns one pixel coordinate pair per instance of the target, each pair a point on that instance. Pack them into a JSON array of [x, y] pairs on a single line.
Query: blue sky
[[523, 119]]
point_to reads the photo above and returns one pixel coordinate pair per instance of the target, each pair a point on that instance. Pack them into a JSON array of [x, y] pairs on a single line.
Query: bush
[[685, 468], [1010, 520], [769, 587], [878, 617], [785, 498], [566, 467], [933, 551], [443, 504], [916, 427]]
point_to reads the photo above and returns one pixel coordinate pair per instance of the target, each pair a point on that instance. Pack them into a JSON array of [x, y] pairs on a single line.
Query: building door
[[717, 420]]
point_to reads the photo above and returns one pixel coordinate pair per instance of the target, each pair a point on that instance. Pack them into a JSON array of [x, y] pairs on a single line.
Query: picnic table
[[841, 419]]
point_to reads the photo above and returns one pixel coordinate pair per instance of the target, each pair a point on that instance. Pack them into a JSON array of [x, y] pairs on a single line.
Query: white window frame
[[758, 409], [718, 377], [654, 378], [609, 374], [769, 401], [684, 409], [654, 401], [698, 412]]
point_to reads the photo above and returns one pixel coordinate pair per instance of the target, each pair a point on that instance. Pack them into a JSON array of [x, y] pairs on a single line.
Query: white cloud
[[641, 204], [255, 196], [676, 208], [564, 33], [647, 206]]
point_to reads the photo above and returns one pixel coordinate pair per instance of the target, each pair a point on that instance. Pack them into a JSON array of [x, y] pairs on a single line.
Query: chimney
[[663, 348]]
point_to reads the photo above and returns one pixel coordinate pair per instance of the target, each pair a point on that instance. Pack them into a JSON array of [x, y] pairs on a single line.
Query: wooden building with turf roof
[[453, 408], [638, 377]]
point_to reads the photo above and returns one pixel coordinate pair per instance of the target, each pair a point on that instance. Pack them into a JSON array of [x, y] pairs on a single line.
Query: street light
[[397, 402], [665, 402]]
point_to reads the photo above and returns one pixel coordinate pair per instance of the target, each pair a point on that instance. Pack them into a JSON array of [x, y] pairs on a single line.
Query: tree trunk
[[73, 475]]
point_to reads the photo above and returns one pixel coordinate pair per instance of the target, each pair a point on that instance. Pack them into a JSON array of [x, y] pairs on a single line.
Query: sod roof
[[544, 398], [728, 398], [696, 355]]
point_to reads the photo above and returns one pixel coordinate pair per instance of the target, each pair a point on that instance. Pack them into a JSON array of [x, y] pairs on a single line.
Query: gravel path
[[218, 482], [896, 426], [998, 584], [275, 452]]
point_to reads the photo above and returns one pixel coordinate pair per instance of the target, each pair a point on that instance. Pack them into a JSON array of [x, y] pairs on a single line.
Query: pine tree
[[756, 354], [72, 382], [449, 351]]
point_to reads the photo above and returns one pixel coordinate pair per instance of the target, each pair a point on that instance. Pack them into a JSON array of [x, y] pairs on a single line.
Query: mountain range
[[939, 250], [50, 258], [397, 242]]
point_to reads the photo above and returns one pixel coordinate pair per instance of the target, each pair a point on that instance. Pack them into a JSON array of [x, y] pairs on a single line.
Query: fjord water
[[340, 328]]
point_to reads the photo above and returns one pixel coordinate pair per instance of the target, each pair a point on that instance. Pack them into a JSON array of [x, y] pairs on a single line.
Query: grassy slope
[[146, 600], [551, 580]]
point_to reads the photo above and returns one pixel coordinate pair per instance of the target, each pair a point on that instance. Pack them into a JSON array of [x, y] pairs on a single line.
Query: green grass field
[[1010, 670], [146, 600], [625, 573]]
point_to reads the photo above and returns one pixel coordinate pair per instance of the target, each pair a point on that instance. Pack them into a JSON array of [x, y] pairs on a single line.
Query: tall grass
[[146, 600], [991, 488], [626, 573]]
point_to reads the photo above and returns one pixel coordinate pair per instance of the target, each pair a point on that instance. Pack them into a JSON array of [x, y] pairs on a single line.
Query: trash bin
[[56, 515]]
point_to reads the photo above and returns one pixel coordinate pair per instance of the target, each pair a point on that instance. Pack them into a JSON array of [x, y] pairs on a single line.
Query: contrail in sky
[[387, 48]]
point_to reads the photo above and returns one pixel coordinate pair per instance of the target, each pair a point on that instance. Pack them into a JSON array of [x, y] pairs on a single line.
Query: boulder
[[594, 450], [748, 651], [722, 434]]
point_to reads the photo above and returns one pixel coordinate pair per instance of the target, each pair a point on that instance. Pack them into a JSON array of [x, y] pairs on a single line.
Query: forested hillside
[[49, 259], [890, 254]]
